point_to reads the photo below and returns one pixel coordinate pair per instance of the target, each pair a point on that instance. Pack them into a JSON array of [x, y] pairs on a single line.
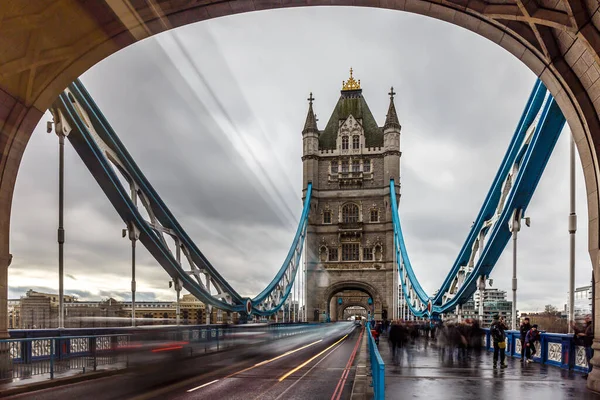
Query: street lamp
[[178, 285], [572, 231], [134, 235], [61, 131], [515, 226]]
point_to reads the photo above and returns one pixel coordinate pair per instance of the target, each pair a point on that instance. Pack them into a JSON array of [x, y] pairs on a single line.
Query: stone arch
[[559, 40], [341, 310], [352, 285], [364, 287]]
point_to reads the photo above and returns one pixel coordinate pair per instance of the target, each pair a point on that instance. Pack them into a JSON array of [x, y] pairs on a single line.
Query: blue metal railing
[[377, 367], [555, 349]]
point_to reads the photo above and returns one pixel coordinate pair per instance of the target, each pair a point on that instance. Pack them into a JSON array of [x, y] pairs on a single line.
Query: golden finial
[[351, 83]]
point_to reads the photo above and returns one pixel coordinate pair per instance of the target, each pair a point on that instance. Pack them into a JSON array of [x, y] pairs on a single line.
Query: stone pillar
[[593, 381], [16, 125]]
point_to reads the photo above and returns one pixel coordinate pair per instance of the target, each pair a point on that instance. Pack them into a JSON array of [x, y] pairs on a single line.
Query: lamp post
[[61, 131], [481, 288], [177, 283], [134, 235], [514, 227], [572, 230]]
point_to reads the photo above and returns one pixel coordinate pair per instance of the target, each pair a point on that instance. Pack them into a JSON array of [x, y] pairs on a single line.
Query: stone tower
[[349, 248]]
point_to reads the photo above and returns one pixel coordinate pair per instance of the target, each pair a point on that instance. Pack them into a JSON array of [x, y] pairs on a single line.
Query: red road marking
[[342, 381]]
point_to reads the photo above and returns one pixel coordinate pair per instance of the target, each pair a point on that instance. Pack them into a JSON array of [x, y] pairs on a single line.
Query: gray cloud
[[459, 99]]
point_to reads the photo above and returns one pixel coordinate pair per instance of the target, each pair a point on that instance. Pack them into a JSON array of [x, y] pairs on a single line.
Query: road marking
[[342, 381], [306, 373], [311, 359], [201, 386], [274, 359]]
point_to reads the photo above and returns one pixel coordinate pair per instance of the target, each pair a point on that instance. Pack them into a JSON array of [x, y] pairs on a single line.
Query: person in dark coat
[[523, 329], [532, 336], [498, 334], [396, 338], [585, 337]]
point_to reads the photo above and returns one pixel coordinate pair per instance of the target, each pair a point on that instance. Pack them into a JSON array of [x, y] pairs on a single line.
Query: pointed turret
[[311, 120], [391, 120]]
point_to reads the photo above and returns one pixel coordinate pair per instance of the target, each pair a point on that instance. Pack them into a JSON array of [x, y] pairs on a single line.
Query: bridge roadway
[[311, 366]]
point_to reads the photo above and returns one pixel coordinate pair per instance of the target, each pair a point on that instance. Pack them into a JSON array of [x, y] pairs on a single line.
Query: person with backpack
[[533, 335], [498, 334]]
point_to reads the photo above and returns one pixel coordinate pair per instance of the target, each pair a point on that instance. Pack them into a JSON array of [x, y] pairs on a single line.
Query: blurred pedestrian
[[498, 334], [584, 337]]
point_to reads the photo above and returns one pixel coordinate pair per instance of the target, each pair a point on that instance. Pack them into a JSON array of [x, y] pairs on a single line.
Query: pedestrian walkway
[[424, 371]]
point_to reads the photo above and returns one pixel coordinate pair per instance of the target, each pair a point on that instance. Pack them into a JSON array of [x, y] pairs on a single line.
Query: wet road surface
[[423, 371], [317, 366]]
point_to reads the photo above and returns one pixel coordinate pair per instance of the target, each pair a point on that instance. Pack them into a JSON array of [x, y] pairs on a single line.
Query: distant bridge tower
[[350, 259]]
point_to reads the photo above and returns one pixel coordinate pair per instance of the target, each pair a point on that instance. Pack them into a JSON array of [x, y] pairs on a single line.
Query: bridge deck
[[423, 371]]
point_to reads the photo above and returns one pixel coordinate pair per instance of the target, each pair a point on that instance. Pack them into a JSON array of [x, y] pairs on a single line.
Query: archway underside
[[46, 44]]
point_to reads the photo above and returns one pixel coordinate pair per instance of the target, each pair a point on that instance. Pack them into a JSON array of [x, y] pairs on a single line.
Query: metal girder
[[512, 189], [108, 160]]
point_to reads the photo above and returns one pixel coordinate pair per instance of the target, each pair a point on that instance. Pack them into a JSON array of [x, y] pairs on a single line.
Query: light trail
[[274, 359], [311, 359], [201, 386]]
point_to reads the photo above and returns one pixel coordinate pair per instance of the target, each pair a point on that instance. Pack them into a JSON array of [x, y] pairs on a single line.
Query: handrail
[[377, 367]]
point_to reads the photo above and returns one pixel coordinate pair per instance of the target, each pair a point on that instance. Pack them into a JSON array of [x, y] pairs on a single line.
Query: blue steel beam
[[104, 154], [532, 108], [534, 162], [529, 155]]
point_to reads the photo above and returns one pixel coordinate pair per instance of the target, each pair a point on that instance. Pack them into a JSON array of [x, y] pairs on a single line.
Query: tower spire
[[391, 120], [311, 119]]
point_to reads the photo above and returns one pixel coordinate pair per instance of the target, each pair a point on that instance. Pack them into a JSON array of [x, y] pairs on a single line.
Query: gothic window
[[374, 215], [355, 166], [355, 142], [368, 254], [367, 166], [334, 167], [344, 142], [333, 254], [344, 166], [327, 217], [350, 252], [350, 213]]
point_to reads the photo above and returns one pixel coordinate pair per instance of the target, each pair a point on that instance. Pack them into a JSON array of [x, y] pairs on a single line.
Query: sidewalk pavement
[[424, 371]]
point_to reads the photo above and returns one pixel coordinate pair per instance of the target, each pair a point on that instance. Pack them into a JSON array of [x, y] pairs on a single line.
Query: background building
[[38, 310], [583, 302], [494, 302]]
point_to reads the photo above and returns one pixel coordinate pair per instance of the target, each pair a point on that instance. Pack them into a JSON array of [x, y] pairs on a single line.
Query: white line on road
[[201, 386]]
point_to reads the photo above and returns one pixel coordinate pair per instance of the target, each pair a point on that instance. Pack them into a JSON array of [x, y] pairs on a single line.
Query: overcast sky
[[215, 124]]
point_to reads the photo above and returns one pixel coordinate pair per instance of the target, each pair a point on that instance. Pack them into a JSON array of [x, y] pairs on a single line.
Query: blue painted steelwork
[[511, 190], [532, 108], [377, 367], [106, 157]]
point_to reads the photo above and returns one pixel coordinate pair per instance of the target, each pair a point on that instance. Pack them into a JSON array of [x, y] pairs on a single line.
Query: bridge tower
[[349, 248]]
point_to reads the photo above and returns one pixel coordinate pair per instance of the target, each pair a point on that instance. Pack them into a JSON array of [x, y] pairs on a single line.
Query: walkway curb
[[361, 389]]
